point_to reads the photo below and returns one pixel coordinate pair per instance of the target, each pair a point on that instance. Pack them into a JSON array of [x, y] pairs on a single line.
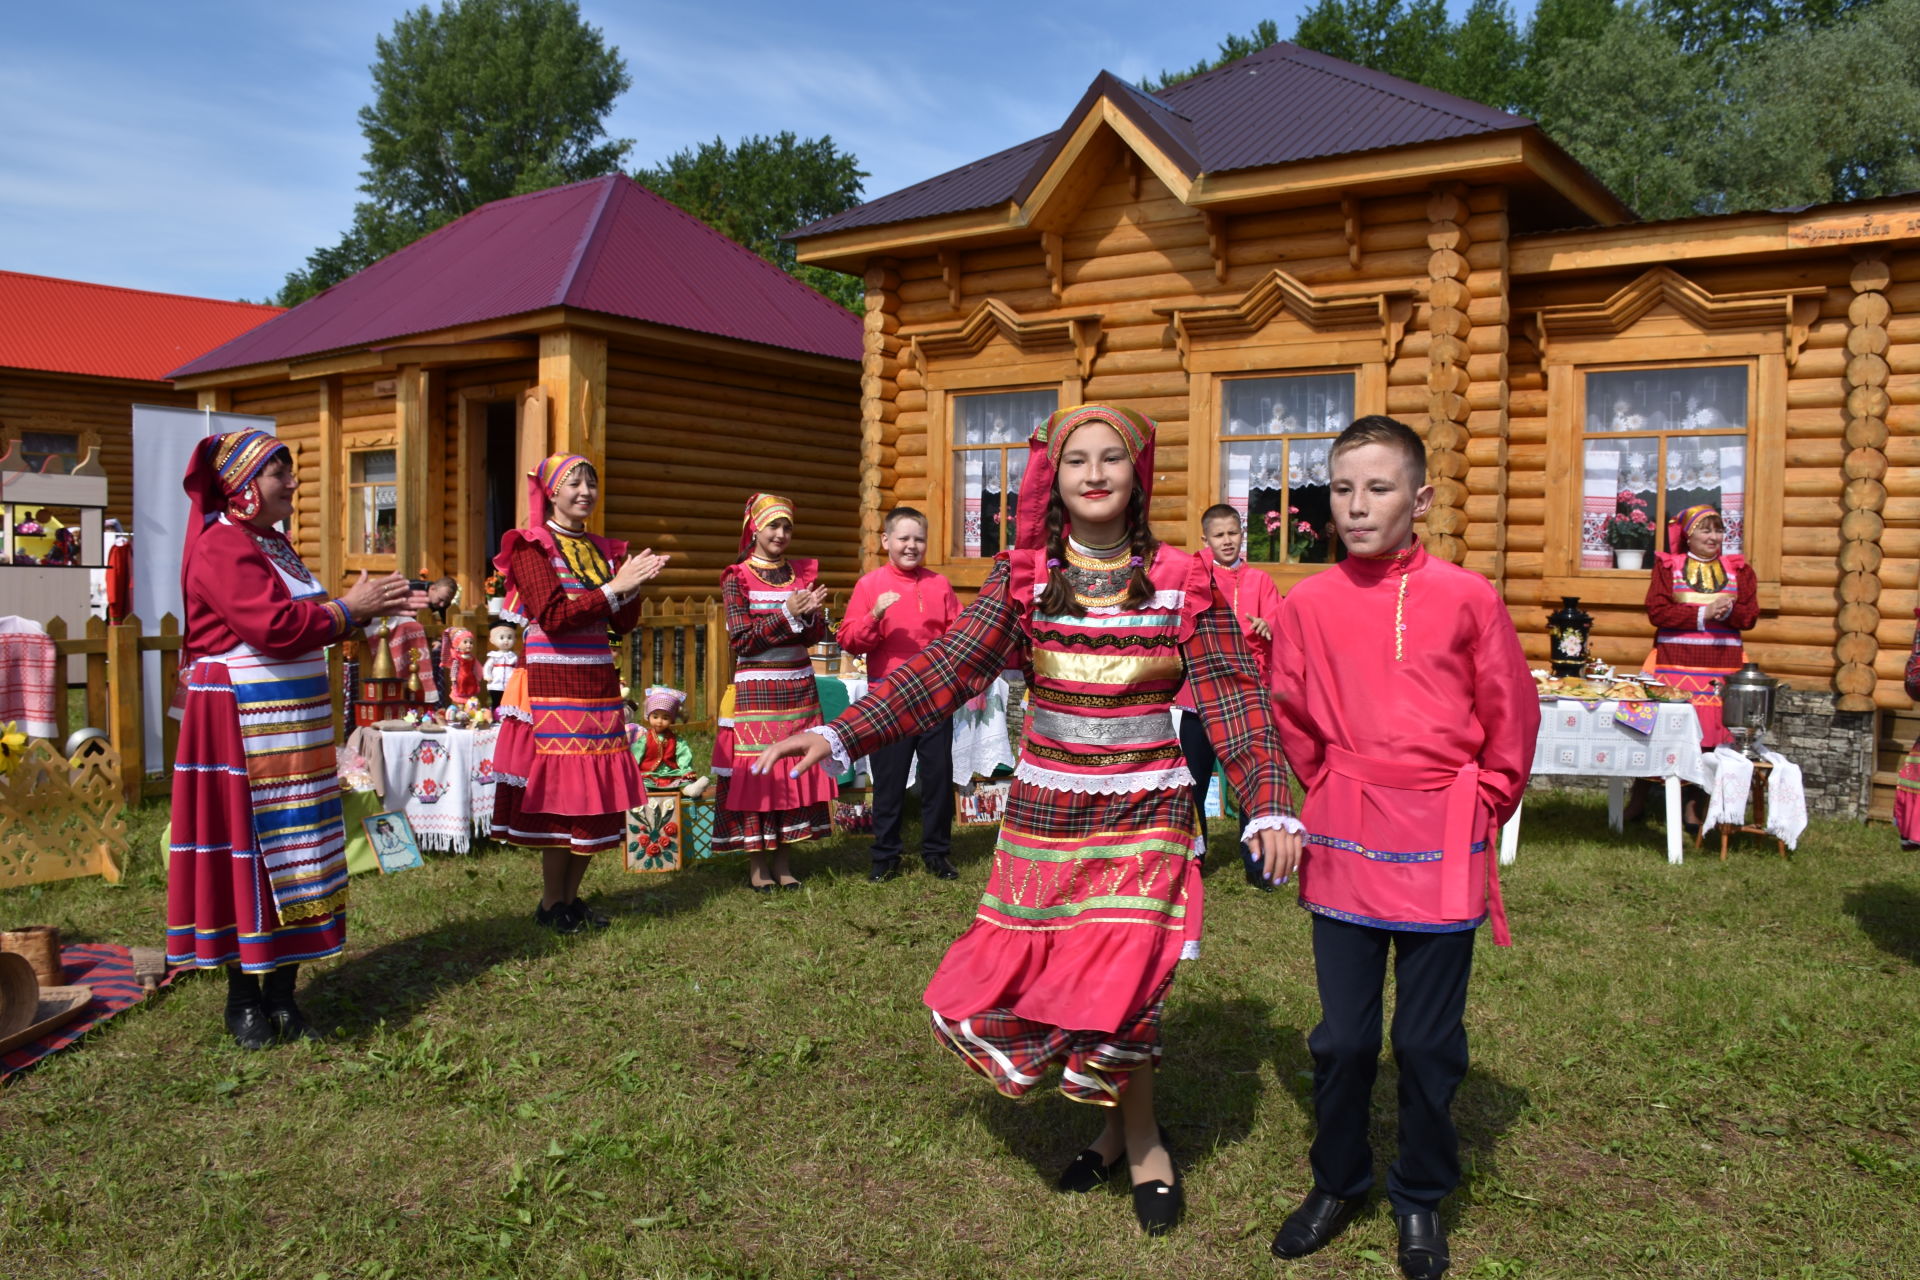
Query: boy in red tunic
[[896, 611], [1256, 603], [1407, 709]]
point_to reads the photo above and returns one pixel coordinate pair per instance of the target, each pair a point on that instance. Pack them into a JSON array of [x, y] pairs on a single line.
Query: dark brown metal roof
[[607, 245], [1279, 105]]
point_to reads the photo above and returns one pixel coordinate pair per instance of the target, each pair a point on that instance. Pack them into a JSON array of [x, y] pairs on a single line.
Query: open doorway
[[502, 481]]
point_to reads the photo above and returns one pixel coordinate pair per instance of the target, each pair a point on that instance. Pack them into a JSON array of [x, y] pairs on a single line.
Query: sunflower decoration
[[13, 746]]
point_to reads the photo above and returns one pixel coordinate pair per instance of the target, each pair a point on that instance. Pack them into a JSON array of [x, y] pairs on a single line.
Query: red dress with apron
[[1691, 652], [1094, 895], [773, 698]]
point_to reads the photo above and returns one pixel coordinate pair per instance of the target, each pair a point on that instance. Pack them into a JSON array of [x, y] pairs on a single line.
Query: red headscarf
[[221, 475], [1681, 527], [542, 483], [762, 510], [1043, 458]]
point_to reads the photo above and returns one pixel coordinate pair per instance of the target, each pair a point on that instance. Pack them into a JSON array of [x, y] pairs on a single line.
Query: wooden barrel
[[39, 945]]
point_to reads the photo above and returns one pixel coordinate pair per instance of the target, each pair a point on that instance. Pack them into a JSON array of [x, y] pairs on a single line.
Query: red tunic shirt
[[1252, 595], [922, 614]]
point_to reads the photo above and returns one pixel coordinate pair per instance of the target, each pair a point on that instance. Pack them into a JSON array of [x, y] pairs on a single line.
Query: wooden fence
[[681, 642]]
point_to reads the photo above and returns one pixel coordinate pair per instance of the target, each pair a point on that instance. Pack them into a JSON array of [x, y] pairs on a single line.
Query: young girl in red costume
[[1094, 894], [565, 778], [775, 609]]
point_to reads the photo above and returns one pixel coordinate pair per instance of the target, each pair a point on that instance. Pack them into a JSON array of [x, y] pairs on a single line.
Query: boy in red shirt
[[1406, 708], [896, 611]]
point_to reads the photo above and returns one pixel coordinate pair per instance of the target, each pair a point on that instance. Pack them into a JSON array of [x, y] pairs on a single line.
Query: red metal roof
[[606, 244], [1279, 105], [70, 326]]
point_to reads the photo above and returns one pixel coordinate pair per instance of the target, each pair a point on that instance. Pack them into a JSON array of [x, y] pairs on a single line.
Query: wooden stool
[[1757, 804]]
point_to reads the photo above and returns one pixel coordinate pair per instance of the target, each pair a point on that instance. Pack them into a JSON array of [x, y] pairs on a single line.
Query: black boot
[[1423, 1246], [246, 1019], [289, 1024]]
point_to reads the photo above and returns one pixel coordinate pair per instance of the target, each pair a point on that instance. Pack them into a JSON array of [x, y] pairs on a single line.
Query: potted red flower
[[1629, 531]]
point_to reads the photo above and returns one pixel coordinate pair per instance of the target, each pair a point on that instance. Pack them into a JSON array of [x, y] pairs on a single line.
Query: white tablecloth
[[1585, 741], [442, 782]]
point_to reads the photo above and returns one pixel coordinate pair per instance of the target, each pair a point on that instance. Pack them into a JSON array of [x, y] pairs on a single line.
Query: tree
[[1232, 49], [757, 192], [482, 100]]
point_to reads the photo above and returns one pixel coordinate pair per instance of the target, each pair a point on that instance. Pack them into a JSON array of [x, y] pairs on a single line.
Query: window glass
[[989, 458], [1273, 462], [372, 502], [52, 452], [1673, 438]]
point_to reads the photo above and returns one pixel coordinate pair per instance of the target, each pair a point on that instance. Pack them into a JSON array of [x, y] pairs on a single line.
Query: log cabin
[[76, 357], [1259, 254], [594, 318]]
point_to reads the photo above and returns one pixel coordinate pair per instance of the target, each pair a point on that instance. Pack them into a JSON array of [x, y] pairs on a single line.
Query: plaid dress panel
[[1015, 1053], [750, 633], [1226, 685]]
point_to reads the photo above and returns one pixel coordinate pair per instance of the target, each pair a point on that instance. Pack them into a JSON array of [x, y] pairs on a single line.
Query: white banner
[[163, 441]]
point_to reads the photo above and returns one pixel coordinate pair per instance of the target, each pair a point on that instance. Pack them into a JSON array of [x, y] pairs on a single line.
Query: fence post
[[719, 656], [99, 711], [124, 726], [57, 632], [169, 681]]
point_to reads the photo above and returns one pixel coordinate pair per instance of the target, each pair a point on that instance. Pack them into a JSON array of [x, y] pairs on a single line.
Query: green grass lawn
[[1707, 1070]]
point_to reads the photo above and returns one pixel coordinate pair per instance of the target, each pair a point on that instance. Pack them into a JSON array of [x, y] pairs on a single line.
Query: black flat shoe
[[791, 886], [1423, 1246], [1158, 1206], [559, 918], [1087, 1173], [250, 1027], [939, 868], [589, 918], [1314, 1224], [761, 888], [881, 872]]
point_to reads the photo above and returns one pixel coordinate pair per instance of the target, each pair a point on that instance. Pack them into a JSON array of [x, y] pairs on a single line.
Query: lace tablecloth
[[1587, 740]]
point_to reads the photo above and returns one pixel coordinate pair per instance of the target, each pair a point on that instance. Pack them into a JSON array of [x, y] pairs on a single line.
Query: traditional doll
[[458, 661], [501, 659], [666, 762]]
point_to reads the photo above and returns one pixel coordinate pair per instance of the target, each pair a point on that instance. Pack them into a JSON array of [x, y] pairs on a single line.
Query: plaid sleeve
[[930, 686], [544, 600], [747, 634], [1239, 719]]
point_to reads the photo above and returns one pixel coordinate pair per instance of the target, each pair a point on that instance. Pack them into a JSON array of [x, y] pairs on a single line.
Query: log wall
[[69, 402], [688, 440]]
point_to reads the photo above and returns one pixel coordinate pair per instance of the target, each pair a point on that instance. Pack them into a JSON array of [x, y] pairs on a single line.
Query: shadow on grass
[[1889, 914], [395, 981], [1206, 1093], [1556, 816]]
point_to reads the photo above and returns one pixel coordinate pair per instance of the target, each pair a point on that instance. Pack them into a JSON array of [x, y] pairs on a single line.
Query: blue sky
[[206, 146]]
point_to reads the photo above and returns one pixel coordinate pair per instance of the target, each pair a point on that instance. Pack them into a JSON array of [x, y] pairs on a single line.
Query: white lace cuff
[[840, 756], [1700, 618], [616, 600], [1273, 822], [793, 622]]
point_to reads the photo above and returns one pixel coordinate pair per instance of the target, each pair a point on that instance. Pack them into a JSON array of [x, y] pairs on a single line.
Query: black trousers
[[1197, 747], [1430, 973], [934, 747]]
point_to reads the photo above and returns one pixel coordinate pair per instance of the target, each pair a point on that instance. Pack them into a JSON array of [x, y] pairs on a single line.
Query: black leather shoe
[[588, 917], [1087, 1173], [249, 1026], [884, 871], [939, 868], [289, 1024], [1320, 1217], [1423, 1246], [559, 918], [1158, 1206]]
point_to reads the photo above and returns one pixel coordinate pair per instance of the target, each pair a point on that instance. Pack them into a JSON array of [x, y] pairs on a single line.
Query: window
[[1674, 438], [989, 436], [372, 502], [1274, 439], [52, 452]]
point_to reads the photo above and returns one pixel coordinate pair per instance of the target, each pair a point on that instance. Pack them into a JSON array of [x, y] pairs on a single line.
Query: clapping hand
[[640, 567], [1721, 607], [885, 601], [382, 597], [806, 602]]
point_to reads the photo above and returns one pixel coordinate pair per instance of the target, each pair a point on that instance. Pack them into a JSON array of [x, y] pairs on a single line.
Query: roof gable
[[1280, 105], [103, 331], [606, 245]]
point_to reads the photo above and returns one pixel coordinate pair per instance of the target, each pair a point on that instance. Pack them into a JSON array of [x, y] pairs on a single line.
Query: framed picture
[[654, 832], [982, 805], [392, 841]]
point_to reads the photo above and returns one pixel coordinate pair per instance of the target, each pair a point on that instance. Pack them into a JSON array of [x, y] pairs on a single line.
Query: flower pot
[[1629, 557]]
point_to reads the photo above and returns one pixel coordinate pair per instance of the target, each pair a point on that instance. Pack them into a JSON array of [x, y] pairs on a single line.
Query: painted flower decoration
[[13, 746]]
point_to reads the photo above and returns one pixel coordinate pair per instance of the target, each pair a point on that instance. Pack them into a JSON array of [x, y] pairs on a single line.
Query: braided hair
[[1058, 598]]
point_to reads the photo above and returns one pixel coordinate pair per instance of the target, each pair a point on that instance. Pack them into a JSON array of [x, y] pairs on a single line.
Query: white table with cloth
[[442, 782], [1588, 740]]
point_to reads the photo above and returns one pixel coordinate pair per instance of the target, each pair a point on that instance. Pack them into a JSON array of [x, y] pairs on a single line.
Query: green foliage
[[481, 100], [758, 191], [1232, 49]]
